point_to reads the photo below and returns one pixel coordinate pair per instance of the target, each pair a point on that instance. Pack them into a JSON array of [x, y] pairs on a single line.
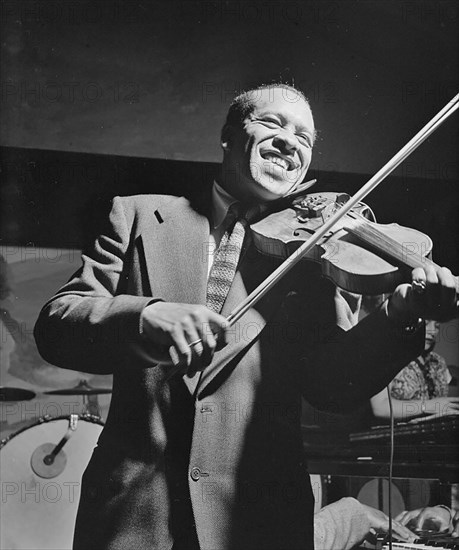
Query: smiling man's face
[[270, 153]]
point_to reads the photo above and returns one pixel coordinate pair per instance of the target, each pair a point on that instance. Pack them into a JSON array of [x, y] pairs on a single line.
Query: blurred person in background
[[421, 387]]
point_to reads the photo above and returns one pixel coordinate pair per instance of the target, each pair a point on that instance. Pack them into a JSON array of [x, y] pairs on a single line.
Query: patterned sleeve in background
[[424, 378]]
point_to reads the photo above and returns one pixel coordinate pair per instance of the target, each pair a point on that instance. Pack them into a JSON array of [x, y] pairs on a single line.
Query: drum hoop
[[94, 419]]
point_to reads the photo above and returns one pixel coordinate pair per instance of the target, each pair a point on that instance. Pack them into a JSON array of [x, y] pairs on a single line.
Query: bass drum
[[41, 483]]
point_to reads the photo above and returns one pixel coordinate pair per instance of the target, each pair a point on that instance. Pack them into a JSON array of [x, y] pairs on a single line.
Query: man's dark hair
[[243, 103]]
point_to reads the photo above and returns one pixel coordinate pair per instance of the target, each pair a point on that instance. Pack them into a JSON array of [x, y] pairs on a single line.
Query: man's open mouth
[[281, 161]]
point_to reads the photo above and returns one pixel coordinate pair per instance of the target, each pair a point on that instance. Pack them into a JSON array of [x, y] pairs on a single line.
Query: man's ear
[[226, 140]]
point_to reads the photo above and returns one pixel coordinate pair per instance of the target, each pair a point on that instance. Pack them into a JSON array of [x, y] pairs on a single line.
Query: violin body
[[346, 258]]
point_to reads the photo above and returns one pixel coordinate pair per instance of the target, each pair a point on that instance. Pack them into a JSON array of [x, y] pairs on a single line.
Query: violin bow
[[389, 167]]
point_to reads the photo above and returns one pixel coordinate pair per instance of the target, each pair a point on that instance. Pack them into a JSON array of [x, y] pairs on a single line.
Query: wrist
[[142, 315]]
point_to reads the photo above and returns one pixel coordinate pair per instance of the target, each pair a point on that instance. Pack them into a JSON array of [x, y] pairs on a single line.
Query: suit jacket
[[223, 450]]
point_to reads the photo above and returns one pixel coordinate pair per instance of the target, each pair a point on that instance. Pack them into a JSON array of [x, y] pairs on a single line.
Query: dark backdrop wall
[[154, 78]]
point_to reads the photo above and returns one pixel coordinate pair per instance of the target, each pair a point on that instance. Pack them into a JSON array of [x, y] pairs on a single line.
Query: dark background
[[154, 78]]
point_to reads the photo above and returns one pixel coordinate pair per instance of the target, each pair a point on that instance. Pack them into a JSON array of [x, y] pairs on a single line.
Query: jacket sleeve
[[90, 324], [340, 525], [349, 361]]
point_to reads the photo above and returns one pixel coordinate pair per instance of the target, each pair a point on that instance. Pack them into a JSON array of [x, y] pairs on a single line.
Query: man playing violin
[[211, 457]]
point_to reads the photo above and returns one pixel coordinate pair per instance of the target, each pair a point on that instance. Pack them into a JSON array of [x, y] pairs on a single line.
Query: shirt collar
[[221, 203]]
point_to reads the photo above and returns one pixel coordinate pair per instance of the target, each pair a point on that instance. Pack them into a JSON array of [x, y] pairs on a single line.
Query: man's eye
[[271, 122], [305, 139]]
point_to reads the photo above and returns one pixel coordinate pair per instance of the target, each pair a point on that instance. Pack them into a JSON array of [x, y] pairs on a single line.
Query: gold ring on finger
[[195, 342]]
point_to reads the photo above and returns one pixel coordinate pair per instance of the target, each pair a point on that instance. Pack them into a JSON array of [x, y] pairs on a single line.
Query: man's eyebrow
[[267, 113]]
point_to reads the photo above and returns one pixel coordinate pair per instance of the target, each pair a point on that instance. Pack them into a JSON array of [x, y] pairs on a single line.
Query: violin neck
[[402, 252]]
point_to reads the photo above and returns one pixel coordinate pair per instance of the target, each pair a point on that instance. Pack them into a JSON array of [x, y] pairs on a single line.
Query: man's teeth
[[277, 160]]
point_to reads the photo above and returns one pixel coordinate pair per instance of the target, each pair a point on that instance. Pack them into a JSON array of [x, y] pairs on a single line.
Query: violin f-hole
[[296, 231]]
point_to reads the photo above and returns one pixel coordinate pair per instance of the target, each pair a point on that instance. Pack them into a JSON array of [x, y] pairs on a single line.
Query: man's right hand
[[172, 327]]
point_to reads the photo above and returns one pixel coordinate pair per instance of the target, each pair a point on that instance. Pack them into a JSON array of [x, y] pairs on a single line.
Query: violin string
[[371, 235]]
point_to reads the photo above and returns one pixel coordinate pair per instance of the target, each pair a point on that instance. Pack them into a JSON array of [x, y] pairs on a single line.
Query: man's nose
[[286, 141]]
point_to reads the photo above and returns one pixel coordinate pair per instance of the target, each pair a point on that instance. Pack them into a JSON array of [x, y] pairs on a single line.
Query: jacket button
[[195, 474]]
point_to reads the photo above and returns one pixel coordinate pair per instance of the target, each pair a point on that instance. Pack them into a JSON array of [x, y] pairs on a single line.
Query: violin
[[357, 254]]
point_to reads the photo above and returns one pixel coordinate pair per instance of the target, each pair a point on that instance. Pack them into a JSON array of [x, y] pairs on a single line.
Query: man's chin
[[272, 191], [285, 181], [269, 187]]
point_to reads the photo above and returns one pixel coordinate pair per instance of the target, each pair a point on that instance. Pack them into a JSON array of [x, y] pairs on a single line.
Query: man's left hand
[[432, 294]]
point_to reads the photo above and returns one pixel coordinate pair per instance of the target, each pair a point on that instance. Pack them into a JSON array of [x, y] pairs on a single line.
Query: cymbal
[[15, 394], [82, 388]]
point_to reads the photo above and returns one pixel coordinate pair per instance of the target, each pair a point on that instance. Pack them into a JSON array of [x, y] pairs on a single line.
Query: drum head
[[39, 504], [375, 493]]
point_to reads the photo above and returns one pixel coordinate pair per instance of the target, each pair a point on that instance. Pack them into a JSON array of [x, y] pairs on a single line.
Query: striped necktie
[[226, 259]]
